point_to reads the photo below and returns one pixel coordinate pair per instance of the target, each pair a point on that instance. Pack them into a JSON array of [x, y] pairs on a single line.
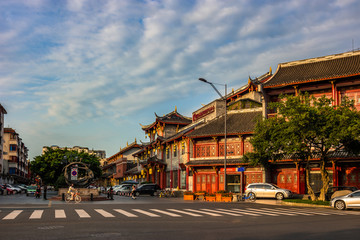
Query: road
[[154, 218]]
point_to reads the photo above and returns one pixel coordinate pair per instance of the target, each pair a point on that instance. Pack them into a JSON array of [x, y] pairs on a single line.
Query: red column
[[194, 182], [298, 177], [335, 174], [242, 146], [334, 93], [186, 179]]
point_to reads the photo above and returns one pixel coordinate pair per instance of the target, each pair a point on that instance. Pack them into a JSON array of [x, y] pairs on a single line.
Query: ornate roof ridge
[[320, 59]]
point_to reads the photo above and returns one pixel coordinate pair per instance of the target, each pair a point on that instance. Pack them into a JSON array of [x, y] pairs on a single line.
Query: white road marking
[[128, 214], [222, 212], [82, 213], [36, 214], [241, 211], [104, 213], [12, 215], [166, 213], [146, 213], [187, 213], [261, 212], [59, 213], [203, 212]]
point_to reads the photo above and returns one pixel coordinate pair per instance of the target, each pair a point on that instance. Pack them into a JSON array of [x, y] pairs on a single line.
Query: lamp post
[[225, 129]]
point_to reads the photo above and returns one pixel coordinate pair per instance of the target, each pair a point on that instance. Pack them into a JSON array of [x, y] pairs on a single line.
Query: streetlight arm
[[205, 81]]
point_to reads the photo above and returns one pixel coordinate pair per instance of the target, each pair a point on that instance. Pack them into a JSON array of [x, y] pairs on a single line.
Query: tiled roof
[[316, 69], [236, 123], [172, 118]]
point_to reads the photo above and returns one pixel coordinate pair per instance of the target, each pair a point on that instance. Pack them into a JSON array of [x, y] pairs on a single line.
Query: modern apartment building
[[15, 156], [100, 153], [2, 113]]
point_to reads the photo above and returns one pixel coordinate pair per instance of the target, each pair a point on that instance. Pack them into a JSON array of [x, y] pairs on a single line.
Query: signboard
[[240, 169], [74, 173]]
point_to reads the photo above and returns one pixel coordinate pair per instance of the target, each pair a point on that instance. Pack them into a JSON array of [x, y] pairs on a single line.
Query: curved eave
[[221, 135], [310, 80]]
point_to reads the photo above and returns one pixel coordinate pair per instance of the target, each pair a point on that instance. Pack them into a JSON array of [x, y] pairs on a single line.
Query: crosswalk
[[174, 213]]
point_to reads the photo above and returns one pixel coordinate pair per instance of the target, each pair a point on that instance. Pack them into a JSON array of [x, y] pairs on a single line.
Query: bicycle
[[76, 197], [166, 193], [251, 197]]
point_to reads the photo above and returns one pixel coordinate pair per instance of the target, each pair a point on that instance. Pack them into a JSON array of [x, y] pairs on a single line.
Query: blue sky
[[87, 72]]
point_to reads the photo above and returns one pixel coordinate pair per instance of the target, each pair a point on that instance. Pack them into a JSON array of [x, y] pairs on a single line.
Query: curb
[[304, 205]]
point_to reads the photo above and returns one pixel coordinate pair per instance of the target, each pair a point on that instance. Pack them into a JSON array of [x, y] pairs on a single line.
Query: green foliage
[[306, 128], [305, 201], [49, 166]]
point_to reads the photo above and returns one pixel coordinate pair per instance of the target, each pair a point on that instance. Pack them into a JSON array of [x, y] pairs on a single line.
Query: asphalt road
[[154, 218]]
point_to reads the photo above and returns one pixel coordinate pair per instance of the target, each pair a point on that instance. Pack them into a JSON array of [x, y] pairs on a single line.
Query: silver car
[[268, 190], [351, 200]]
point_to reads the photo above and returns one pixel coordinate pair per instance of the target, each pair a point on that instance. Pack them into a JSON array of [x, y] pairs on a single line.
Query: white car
[[13, 188], [268, 190], [351, 200]]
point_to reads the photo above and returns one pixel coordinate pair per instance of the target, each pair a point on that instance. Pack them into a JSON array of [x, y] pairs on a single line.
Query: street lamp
[[225, 129]]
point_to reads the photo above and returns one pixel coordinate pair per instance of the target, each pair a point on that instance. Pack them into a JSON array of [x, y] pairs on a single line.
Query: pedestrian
[[45, 190], [133, 192], [38, 191], [111, 193]]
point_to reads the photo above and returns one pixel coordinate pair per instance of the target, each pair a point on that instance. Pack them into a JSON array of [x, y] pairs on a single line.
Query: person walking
[[133, 192]]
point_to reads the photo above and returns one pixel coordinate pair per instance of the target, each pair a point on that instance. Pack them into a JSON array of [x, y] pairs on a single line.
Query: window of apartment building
[[13, 147], [12, 136]]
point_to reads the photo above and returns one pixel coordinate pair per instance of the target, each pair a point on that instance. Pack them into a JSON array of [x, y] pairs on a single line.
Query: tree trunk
[[325, 179], [310, 190]]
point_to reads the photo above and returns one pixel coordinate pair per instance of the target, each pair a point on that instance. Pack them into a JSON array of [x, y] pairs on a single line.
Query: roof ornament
[[175, 109], [270, 71], [135, 140]]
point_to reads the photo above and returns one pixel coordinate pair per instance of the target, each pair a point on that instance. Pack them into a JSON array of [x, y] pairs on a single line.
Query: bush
[[305, 201]]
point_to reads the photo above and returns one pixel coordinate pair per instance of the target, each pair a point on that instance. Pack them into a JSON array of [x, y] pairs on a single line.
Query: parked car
[[123, 189], [13, 189], [331, 191], [30, 190], [23, 187], [351, 200], [149, 188], [268, 190]]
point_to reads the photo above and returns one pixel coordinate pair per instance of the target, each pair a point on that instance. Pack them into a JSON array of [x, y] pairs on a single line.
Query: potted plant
[[188, 195], [210, 197], [219, 195], [226, 197], [200, 195]]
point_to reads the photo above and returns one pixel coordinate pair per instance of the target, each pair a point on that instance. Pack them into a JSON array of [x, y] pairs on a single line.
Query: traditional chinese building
[[163, 156], [207, 161], [121, 165], [335, 76]]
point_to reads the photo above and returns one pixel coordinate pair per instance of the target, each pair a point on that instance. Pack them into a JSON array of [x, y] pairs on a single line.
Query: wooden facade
[[334, 76], [188, 153]]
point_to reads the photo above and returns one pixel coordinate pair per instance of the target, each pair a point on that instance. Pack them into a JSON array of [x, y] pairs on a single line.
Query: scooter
[[37, 194]]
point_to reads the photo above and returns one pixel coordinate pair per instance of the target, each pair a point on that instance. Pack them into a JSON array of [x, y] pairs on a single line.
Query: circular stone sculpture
[[84, 174]]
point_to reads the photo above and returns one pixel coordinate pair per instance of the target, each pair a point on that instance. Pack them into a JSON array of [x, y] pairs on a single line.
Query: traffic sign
[[240, 169]]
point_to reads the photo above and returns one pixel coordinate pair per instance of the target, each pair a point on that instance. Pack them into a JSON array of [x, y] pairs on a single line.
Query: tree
[[49, 166], [307, 128]]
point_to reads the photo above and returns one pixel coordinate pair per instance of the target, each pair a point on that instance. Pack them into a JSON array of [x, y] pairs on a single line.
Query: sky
[[89, 72]]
